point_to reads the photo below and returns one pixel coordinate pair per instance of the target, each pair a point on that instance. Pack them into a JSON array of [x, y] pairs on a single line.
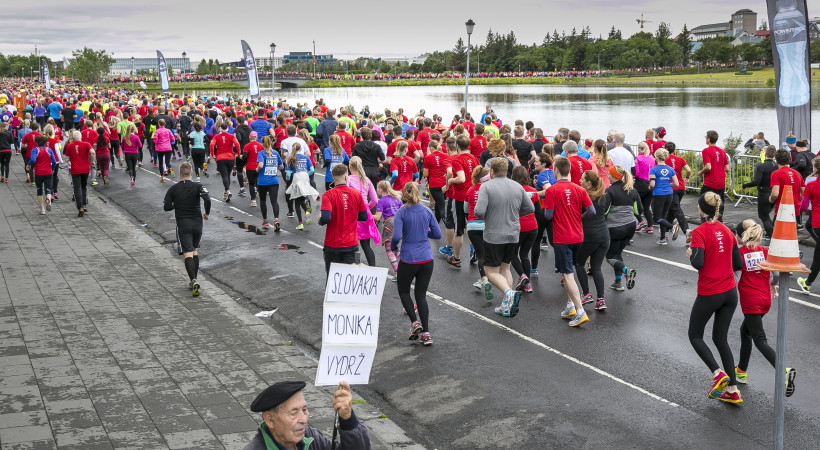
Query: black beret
[[276, 394]]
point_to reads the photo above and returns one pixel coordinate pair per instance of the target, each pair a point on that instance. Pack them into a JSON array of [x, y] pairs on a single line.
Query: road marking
[[690, 268], [548, 348]]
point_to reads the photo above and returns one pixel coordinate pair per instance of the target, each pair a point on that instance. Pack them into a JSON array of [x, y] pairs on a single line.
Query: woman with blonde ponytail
[[714, 253], [755, 289], [625, 205]]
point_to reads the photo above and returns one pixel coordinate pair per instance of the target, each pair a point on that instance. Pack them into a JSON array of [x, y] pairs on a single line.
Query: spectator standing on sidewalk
[[762, 179]]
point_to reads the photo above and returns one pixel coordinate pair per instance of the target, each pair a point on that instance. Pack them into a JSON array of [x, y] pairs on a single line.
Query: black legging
[[115, 151], [252, 176], [676, 211], [421, 273], [477, 239], [440, 203], [55, 180], [299, 203], [722, 306], [619, 238], [764, 210], [521, 261], [751, 330], [43, 183], [660, 207], [164, 162], [225, 167], [273, 190], [595, 251], [240, 176], [536, 247], [80, 184], [368, 252], [198, 156], [288, 200], [131, 164], [5, 163], [645, 194]]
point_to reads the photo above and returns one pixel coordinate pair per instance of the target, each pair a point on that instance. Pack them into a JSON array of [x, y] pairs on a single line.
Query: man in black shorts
[[183, 198], [501, 203]]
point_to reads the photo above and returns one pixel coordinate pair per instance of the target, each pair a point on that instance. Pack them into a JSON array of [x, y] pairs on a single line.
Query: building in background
[[307, 57], [814, 29], [122, 66], [742, 21]]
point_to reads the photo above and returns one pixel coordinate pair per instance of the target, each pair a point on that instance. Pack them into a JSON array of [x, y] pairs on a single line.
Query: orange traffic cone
[[784, 254]]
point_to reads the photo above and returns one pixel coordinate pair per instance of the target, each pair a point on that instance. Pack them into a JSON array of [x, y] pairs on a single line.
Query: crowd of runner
[[504, 192]]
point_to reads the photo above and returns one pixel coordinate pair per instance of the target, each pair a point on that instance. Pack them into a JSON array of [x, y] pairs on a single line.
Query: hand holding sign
[[343, 401]]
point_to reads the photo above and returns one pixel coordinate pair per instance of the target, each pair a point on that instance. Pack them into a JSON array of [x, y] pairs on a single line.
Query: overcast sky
[[388, 29]]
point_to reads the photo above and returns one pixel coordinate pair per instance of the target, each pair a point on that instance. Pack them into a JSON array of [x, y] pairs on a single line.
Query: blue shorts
[[565, 257]]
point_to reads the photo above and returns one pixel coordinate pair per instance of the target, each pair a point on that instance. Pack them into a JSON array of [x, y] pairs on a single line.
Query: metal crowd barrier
[[742, 171], [695, 161]]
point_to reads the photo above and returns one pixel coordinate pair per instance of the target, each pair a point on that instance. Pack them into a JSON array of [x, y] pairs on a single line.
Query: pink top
[[133, 146], [368, 228], [162, 139], [602, 171], [643, 164]]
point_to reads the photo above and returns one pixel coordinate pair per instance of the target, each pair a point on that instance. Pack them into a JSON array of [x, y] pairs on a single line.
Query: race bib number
[[752, 260], [270, 171]]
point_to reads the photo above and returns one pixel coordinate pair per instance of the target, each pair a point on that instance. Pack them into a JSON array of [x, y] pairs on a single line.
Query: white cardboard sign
[[350, 323]]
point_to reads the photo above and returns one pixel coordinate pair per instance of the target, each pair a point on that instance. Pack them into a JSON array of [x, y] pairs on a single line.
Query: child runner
[[662, 179], [334, 155], [42, 163], [755, 289], [298, 168], [389, 203]]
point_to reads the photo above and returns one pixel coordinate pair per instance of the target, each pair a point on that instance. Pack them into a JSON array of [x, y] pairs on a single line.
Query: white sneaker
[[253, 203], [197, 179]]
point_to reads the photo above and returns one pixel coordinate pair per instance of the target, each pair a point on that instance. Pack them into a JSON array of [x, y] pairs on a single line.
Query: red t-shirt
[[568, 201], [222, 146], [477, 145], [657, 145], [28, 140], [280, 134], [467, 163], [528, 222], [347, 141], [43, 163], [786, 176], [470, 127], [435, 163], [391, 148], [472, 199], [344, 205], [77, 152], [90, 136], [753, 287], [252, 149], [677, 163], [406, 167], [651, 144], [812, 192], [423, 138], [716, 276], [577, 168], [716, 177]]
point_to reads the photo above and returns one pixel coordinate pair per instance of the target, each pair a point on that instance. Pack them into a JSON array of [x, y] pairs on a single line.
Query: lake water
[[686, 112]]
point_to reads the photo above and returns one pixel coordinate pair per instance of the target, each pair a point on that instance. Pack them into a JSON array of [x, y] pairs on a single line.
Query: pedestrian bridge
[[285, 82]]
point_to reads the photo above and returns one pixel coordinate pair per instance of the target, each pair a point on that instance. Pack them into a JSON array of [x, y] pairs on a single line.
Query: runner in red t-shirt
[[786, 176], [715, 255], [342, 208], [434, 170], [715, 167], [80, 155], [478, 143], [680, 167], [567, 204], [458, 182], [579, 165], [402, 168], [527, 233]]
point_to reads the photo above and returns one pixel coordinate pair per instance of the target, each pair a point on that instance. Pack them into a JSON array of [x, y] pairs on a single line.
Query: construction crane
[[642, 21]]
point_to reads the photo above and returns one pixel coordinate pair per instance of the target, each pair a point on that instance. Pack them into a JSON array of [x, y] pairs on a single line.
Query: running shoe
[[8, 181], [719, 384], [740, 376], [579, 319], [569, 312], [172, 174], [586, 299], [504, 309], [675, 231], [791, 374], [48, 204], [649, 229], [307, 219], [446, 250], [640, 226], [600, 305], [195, 289], [205, 172], [630, 278], [516, 300], [55, 197], [392, 278], [198, 180], [522, 280], [300, 226], [451, 260], [544, 244], [803, 285], [265, 223], [488, 290], [415, 330], [617, 285], [733, 398], [162, 180], [309, 208], [228, 197], [242, 192], [105, 181], [132, 183], [528, 287], [277, 226], [533, 273], [234, 172], [290, 215], [28, 179], [662, 241], [479, 285], [253, 203], [80, 212], [42, 210], [426, 339]]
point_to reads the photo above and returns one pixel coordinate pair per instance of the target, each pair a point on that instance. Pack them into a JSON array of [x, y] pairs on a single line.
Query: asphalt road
[[627, 379]]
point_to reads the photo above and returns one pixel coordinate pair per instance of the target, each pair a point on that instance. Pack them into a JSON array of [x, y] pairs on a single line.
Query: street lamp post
[[470, 25], [272, 71], [599, 64], [132, 73], [184, 76]]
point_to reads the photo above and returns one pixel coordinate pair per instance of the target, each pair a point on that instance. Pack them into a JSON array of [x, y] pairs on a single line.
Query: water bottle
[[789, 33]]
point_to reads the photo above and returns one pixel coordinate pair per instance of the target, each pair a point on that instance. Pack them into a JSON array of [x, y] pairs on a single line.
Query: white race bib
[[752, 259]]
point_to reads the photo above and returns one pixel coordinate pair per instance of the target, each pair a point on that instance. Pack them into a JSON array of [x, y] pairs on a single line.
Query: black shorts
[[497, 254], [189, 233], [565, 257], [455, 217]]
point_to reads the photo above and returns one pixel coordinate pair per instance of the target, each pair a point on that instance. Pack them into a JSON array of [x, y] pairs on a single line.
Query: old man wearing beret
[[285, 420]]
